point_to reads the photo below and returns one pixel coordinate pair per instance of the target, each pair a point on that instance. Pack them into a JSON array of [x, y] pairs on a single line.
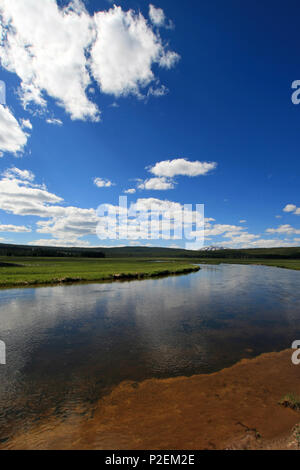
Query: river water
[[69, 345]]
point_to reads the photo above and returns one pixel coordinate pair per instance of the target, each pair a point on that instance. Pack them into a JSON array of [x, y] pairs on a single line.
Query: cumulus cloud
[[45, 46], [182, 167], [57, 51], [67, 225], [285, 229], [12, 137], [219, 229], [165, 171], [157, 184], [20, 196], [102, 183], [292, 208], [235, 236], [125, 49], [130, 191]]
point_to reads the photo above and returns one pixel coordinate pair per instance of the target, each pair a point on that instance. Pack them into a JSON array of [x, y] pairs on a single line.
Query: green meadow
[[26, 271]]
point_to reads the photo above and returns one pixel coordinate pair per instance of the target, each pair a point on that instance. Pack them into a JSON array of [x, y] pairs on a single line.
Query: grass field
[[26, 271], [34, 271]]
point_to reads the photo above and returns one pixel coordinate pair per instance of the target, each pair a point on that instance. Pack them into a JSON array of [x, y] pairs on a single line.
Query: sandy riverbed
[[234, 408]]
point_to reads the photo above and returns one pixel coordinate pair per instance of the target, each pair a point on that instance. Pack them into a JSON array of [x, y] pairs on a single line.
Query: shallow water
[[68, 345]]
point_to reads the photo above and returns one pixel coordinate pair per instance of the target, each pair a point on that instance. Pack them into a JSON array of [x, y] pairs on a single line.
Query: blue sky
[[98, 96]]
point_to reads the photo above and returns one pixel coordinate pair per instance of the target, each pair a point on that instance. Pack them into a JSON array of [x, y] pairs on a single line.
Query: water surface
[[68, 345]]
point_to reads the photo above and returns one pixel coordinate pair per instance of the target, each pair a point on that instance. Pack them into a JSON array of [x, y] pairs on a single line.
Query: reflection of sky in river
[[66, 345]]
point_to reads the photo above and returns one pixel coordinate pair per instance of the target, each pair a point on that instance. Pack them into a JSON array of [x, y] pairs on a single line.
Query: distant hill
[[146, 252]]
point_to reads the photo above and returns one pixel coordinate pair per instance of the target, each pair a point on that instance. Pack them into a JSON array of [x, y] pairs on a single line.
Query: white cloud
[[165, 171], [20, 196], [45, 46], [275, 243], [287, 229], [103, 183], [23, 197], [14, 228], [55, 51], [157, 92], [130, 191], [242, 239], [16, 172], [54, 121], [12, 137], [67, 225], [26, 123], [219, 229], [70, 242], [248, 242], [168, 59], [182, 166], [124, 52], [292, 208], [156, 15], [156, 184], [243, 221]]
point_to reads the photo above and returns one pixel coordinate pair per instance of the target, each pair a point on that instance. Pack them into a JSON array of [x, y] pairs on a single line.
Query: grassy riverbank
[[28, 271], [25, 271]]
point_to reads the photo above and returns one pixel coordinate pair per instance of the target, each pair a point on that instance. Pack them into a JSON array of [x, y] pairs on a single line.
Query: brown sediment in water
[[234, 408]]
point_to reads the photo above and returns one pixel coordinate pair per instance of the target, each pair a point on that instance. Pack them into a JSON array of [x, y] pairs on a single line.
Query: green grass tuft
[[291, 400]]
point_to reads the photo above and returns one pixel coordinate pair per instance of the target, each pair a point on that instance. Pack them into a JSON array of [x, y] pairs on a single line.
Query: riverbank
[[24, 272], [236, 408], [275, 263], [34, 271]]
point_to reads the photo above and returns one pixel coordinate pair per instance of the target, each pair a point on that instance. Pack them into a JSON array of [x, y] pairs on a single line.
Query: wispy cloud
[[54, 121]]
